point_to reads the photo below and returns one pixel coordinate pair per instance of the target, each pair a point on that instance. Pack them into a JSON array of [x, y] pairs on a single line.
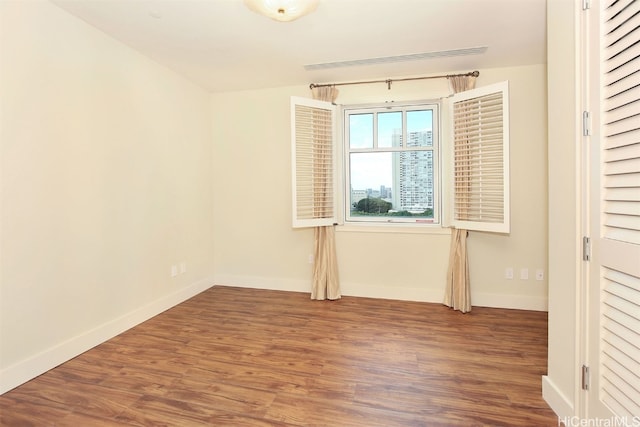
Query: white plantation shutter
[[621, 121], [481, 159], [620, 203], [313, 156]]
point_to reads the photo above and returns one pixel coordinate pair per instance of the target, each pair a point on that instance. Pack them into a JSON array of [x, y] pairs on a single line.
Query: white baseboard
[[518, 302], [40, 363], [394, 293], [558, 402], [255, 282], [348, 289]]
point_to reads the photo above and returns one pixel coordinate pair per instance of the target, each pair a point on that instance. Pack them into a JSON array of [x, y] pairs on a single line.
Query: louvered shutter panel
[[621, 120], [620, 357], [620, 305], [313, 152], [481, 159]]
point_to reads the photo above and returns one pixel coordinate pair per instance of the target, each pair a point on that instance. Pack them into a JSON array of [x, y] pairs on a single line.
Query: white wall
[[559, 386], [106, 183], [256, 246]]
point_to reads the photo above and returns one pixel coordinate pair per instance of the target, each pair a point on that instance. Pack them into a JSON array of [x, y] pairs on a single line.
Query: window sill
[[393, 228]]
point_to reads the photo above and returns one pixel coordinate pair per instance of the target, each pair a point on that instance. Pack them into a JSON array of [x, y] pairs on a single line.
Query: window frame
[[434, 105]]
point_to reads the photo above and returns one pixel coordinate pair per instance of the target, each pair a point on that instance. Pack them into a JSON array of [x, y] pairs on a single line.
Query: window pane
[[398, 184], [419, 128], [371, 176], [361, 130], [390, 129]]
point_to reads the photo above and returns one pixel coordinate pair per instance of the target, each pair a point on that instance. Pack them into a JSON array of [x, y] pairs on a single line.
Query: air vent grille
[[398, 58]]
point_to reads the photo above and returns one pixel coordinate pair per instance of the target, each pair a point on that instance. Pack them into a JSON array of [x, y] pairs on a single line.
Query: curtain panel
[[458, 287], [325, 282]]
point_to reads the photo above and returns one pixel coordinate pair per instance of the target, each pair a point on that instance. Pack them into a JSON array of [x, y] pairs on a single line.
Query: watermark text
[[599, 422]]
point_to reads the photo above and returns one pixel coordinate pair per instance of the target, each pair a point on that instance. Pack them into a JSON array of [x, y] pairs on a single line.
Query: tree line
[[378, 206]]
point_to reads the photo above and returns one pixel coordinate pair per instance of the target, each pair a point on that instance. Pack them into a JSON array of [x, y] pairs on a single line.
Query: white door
[[613, 307]]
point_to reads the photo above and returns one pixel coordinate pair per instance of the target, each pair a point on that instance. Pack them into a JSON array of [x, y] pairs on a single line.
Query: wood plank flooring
[[247, 357]]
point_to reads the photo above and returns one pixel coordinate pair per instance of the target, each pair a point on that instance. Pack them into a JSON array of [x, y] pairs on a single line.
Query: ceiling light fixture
[[282, 10]]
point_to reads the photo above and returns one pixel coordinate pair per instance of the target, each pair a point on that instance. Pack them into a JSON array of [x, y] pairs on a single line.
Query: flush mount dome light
[[282, 10]]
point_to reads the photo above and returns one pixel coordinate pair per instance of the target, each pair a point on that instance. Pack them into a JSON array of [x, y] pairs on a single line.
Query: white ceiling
[[221, 45]]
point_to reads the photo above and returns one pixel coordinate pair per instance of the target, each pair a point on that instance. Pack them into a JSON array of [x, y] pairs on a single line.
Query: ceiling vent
[[399, 58]]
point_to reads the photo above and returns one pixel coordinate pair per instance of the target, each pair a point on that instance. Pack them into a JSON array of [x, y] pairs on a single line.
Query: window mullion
[[389, 149], [403, 143], [375, 130]]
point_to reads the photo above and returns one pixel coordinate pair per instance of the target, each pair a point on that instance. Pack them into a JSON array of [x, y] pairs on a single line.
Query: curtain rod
[[389, 81]]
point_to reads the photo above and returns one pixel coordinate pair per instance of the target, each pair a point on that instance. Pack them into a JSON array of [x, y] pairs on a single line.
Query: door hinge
[[585, 377], [586, 4], [586, 123], [586, 248]]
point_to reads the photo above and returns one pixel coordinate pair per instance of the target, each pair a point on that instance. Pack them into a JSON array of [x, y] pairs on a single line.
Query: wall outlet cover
[[508, 273]]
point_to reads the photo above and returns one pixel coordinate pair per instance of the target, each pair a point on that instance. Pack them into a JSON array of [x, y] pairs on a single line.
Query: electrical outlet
[[539, 274], [524, 274], [183, 267], [174, 270], [508, 273]]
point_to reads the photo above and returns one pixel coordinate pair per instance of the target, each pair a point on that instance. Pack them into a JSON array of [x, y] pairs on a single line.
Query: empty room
[[319, 212]]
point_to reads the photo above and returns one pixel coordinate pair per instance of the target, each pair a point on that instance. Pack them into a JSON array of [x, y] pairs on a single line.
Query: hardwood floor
[[247, 357]]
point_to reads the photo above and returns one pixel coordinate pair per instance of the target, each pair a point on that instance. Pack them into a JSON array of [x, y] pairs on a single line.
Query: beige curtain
[[458, 290], [326, 284]]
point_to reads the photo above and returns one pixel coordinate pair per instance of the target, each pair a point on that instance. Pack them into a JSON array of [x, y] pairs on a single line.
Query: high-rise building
[[383, 192], [413, 173]]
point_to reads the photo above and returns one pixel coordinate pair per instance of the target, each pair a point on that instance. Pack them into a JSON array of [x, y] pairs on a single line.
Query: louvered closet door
[[614, 270]]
